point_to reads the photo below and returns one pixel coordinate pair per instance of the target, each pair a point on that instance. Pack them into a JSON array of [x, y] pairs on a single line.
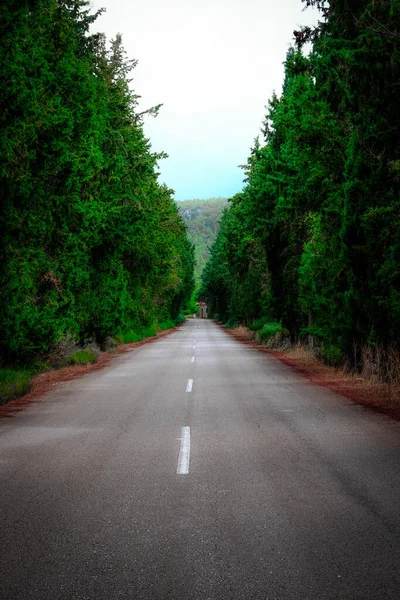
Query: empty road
[[197, 467]]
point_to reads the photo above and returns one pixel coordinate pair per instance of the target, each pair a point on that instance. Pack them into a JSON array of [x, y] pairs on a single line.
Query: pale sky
[[213, 64]]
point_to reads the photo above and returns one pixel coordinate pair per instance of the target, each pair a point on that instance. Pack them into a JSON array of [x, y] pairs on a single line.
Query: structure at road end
[[202, 310]]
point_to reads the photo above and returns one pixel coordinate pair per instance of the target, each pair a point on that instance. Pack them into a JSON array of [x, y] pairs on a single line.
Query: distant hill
[[202, 220]]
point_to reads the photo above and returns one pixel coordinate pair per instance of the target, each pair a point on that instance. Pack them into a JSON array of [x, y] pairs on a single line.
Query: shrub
[[129, 337], [179, 319], [269, 330], [259, 323], [149, 331], [14, 383], [138, 334], [83, 357], [168, 324], [231, 324], [333, 356]]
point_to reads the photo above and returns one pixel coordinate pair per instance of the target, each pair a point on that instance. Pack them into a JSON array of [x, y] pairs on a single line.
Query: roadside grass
[[83, 357], [140, 333], [14, 383], [137, 335]]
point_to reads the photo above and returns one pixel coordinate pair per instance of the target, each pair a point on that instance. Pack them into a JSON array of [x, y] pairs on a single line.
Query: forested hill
[[313, 241], [202, 221], [91, 245]]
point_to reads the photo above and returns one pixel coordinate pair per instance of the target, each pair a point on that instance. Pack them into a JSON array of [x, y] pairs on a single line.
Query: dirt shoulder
[[45, 382], [378, 397]]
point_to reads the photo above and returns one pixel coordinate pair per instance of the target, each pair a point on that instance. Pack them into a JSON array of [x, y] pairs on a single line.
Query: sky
[[213, 64]]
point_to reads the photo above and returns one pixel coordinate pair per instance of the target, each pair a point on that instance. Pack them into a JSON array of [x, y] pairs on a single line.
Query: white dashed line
[[184, 452], [189, 385], [192, 359]]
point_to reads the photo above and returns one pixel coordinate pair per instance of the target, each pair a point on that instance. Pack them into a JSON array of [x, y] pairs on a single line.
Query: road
[[197, 467]]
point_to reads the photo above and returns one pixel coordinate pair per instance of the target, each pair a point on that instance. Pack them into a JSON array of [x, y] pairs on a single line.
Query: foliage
[[140, 333], [270, 330], [83, 357], [201, 218], [90, 242], [14, 383], [259, 323], [332, 355], [314, 237]]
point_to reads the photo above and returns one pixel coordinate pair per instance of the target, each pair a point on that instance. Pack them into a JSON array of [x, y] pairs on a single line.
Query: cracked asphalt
[[292, 492]]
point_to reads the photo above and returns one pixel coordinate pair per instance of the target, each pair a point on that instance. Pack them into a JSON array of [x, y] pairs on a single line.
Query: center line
[[189, 385], [192, 359], [184, 452]]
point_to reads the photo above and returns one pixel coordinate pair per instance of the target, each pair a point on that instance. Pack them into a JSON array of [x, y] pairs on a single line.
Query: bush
[[138, 334], [83, 357], [14, 383], [129, 337], [259, 323], [149, 331], [333, 356], [231, 324], [270, 330], [179, 319], [168, 324]]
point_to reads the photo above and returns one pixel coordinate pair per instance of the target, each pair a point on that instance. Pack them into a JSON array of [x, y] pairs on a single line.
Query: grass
[[14, 383], [83, 357], [140, 333]]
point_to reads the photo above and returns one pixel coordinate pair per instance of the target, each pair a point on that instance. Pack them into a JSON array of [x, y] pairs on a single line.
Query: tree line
[[313, 240], [91, 244], [201, 218]]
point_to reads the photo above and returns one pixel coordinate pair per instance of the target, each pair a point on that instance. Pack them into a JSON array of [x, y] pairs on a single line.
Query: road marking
[[184, 452], [192, 360], [189, 385], [194, 347]]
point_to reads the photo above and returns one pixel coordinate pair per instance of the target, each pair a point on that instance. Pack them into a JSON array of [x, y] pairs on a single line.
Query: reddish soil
[[378, 397], [43, 383]]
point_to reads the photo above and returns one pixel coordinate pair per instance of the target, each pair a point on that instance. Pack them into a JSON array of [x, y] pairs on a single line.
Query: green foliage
[[167, 325], [83, 357], [179, 319], [191, 307], [141, 332], [201, 218], [314, 239], [138, 334], [271, 330], [259, 323], [90, 242], [333, 356], [14, 383], [231, 323]]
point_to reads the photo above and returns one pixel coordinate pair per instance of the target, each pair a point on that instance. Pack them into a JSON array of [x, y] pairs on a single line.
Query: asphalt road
[[198, 468]]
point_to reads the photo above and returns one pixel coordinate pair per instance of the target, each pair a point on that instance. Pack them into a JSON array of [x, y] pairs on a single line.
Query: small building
[[202, 310]]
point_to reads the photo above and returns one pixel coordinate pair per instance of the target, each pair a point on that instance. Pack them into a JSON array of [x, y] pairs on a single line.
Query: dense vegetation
[[91, 244], [313, 241], [201, 218]]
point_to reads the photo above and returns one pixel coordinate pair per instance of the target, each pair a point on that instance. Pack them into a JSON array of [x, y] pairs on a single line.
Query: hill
[[202, 220]]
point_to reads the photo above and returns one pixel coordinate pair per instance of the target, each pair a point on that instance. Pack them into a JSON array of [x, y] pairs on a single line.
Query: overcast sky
[[213, 64]]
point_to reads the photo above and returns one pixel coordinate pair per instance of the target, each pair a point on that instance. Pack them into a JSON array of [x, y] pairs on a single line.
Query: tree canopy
[[91, 242]]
